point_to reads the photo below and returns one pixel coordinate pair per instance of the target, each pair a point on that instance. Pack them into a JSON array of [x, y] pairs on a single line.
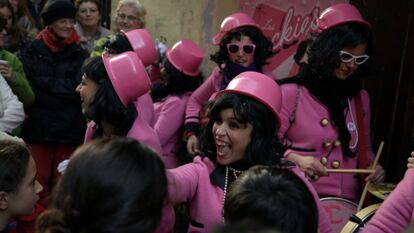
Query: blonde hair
[[134, 3]]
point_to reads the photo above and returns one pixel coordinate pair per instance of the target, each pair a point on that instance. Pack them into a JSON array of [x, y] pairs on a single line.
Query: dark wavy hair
[[118, 44], [323, 50], [265, 147], [110, 185], [264, 47], [14, 159], [106, 104], [175, 82], [274, 197], [318, 74]]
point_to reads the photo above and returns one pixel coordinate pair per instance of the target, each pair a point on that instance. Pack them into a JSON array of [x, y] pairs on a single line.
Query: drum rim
[[363, 215], [339, 199]]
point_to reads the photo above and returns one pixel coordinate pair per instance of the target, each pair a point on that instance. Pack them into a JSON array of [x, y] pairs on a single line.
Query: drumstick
[[369, 171], [374, 165]]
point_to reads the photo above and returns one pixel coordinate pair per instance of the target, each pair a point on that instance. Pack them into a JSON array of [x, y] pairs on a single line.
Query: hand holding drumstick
[[377, 173]]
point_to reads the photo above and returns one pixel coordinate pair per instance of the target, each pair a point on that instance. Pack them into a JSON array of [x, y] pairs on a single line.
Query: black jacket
[[56, 115]]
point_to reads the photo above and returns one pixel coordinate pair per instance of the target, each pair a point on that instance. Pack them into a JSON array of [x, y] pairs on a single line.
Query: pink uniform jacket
[[397, 211], [313, 134], [200, 96], [169, 115], [145, 108], [191, 183]]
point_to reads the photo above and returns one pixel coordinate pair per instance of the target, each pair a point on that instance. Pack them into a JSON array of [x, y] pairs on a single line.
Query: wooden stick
[[374, 165], [369, 171]]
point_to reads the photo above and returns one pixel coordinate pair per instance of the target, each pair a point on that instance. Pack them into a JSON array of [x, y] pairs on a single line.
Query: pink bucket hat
[[259, 87], [143, 45], [339, 14], [234, 21], [186, 56], [128, 76]]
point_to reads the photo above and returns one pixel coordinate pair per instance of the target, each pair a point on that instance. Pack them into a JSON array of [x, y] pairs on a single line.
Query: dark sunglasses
[[247, 48]]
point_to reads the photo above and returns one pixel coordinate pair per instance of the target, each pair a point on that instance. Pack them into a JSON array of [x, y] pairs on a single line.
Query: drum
[[339, 211], [358, 221]]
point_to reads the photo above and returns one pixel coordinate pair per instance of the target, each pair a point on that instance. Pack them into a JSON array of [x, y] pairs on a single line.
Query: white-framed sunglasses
[[348, 57]]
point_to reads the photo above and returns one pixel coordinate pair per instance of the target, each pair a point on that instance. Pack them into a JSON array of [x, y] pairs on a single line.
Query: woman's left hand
[[7, 71], [378, 176]]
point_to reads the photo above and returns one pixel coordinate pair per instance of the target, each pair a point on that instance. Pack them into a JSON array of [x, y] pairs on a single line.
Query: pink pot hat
[[339, 14], [259, 87], [234, 21], [186, 56], [143, 45], [128, 76]]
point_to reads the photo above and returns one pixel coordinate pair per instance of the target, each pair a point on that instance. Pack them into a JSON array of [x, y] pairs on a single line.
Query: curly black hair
[[323, 50], [265, 147], [175, 82], [117, 44]]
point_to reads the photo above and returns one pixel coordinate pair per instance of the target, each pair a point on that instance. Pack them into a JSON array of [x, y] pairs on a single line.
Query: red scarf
[[54, 43]]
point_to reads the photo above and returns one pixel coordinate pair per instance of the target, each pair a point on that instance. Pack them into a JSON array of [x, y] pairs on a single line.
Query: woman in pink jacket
[[109, 87], [180, 76], [241, 132], [242, 47], [319, 111]]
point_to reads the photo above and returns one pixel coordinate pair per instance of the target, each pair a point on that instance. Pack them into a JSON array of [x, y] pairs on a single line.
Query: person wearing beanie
[[55, 125]]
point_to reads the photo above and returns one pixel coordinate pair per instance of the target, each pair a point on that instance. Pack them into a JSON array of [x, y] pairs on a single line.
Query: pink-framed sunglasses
[[235, 48]]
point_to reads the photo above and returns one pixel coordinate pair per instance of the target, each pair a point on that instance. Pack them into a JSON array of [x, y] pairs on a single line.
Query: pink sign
[[286, 23]]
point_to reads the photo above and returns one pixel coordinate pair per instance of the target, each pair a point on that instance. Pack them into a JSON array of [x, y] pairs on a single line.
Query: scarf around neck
[[54, 43], [233, 69]]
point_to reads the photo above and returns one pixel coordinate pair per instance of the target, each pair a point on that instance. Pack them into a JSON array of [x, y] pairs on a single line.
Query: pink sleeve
[[324, 223], [183, 181], [367, 124], [89, 132], [201, 96], [396, 212], [145, 108], [171, 118], [288, 103], [289, 92]]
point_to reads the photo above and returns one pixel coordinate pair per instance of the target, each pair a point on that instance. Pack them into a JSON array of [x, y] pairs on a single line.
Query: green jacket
[[20, 86], [100, 46]]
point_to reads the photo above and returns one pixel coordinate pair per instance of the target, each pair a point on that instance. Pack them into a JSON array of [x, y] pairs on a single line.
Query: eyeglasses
[[128, 18], [247, 48], [348, 57]]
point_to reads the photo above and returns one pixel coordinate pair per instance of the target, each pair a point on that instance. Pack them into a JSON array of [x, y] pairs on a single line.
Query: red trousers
[[47, 158]]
